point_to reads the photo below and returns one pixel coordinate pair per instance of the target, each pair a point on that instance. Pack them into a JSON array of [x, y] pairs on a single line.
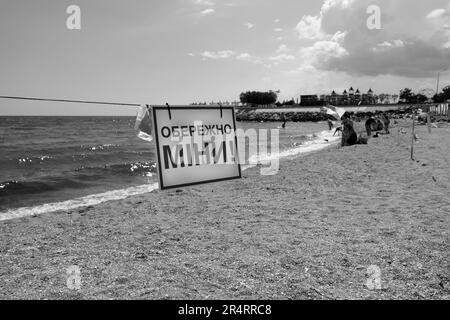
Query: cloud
[[278, 29], [439, 19], [282, 48], [437, 13], [204, 2], [230, 54], [282, 58], [309, 28], [276, 20], [207, 11], [322, 52], [249, 58], [388, 45], [249, 25], [410, 43], [223, 54], [243, 56]]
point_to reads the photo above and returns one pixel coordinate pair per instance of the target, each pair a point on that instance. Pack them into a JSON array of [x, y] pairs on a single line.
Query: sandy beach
[[309, 232]]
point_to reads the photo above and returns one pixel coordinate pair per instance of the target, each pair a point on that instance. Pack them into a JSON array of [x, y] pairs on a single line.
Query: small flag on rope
[[143, 126]]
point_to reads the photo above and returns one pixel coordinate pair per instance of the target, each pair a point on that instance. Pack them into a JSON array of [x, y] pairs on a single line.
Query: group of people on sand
[[377, 124], [350, 137]]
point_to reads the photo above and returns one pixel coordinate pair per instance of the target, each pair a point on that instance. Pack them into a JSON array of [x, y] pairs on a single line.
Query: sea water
[[61, 163]]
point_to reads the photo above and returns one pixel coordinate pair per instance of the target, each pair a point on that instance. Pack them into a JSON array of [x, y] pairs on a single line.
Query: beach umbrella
[[143, 125], [333, 111]]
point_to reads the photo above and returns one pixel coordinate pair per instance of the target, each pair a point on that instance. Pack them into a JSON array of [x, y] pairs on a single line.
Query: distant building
[[347, 98], [309, 100], [388, 98], [213, 103]]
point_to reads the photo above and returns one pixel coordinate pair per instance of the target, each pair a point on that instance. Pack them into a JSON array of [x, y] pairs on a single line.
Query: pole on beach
[[437, 83], [412, 137]]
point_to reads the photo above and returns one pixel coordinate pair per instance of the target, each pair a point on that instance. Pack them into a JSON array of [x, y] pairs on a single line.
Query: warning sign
[[195, 145]]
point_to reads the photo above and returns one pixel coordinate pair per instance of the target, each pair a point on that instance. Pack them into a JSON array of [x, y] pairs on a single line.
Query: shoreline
[[309, 232], [120, 194]]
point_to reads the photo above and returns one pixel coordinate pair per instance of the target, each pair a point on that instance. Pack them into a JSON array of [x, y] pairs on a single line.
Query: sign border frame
[[156, 134]]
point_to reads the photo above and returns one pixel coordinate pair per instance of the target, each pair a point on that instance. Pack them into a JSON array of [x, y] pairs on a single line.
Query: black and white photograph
[[225, 156]]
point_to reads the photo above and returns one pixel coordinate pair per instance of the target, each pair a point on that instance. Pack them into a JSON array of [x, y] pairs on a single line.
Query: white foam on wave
[[321, 141], [89, 200]]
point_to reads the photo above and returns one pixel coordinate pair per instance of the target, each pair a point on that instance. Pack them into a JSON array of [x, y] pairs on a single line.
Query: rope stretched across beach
[[71, 101]]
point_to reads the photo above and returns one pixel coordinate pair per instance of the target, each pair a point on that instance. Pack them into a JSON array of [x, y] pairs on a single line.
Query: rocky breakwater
[[258, 116], [247, 114]]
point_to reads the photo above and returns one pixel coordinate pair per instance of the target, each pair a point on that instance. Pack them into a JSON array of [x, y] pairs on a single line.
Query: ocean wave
[[56, 151], [94, 160], [79, 178], [100, 147], [145, 168], [90, 200], [23, 160], [317, 141], [23, 128], [13, 187]]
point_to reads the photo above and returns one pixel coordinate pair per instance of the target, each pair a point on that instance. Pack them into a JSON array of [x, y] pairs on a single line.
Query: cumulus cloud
[[243, 56], [223, 54], [249, 25], [207, 11], [322, 52], [388, 45], [309, 28], [282, 48], [439, 19], [204, 2], [437, 13], [282, 58], [230, 54], [249, 58], [412, 43]]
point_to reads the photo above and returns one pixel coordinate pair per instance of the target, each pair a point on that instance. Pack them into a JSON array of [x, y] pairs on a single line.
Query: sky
[[184, 51]]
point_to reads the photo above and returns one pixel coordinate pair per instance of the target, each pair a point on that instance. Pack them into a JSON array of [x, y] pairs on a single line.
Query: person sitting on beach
[[379, 126], [386, 123], [349, 136], [369, 123]]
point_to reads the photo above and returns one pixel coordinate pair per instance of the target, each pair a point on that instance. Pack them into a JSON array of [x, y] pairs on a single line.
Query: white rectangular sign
[[195, 145]]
